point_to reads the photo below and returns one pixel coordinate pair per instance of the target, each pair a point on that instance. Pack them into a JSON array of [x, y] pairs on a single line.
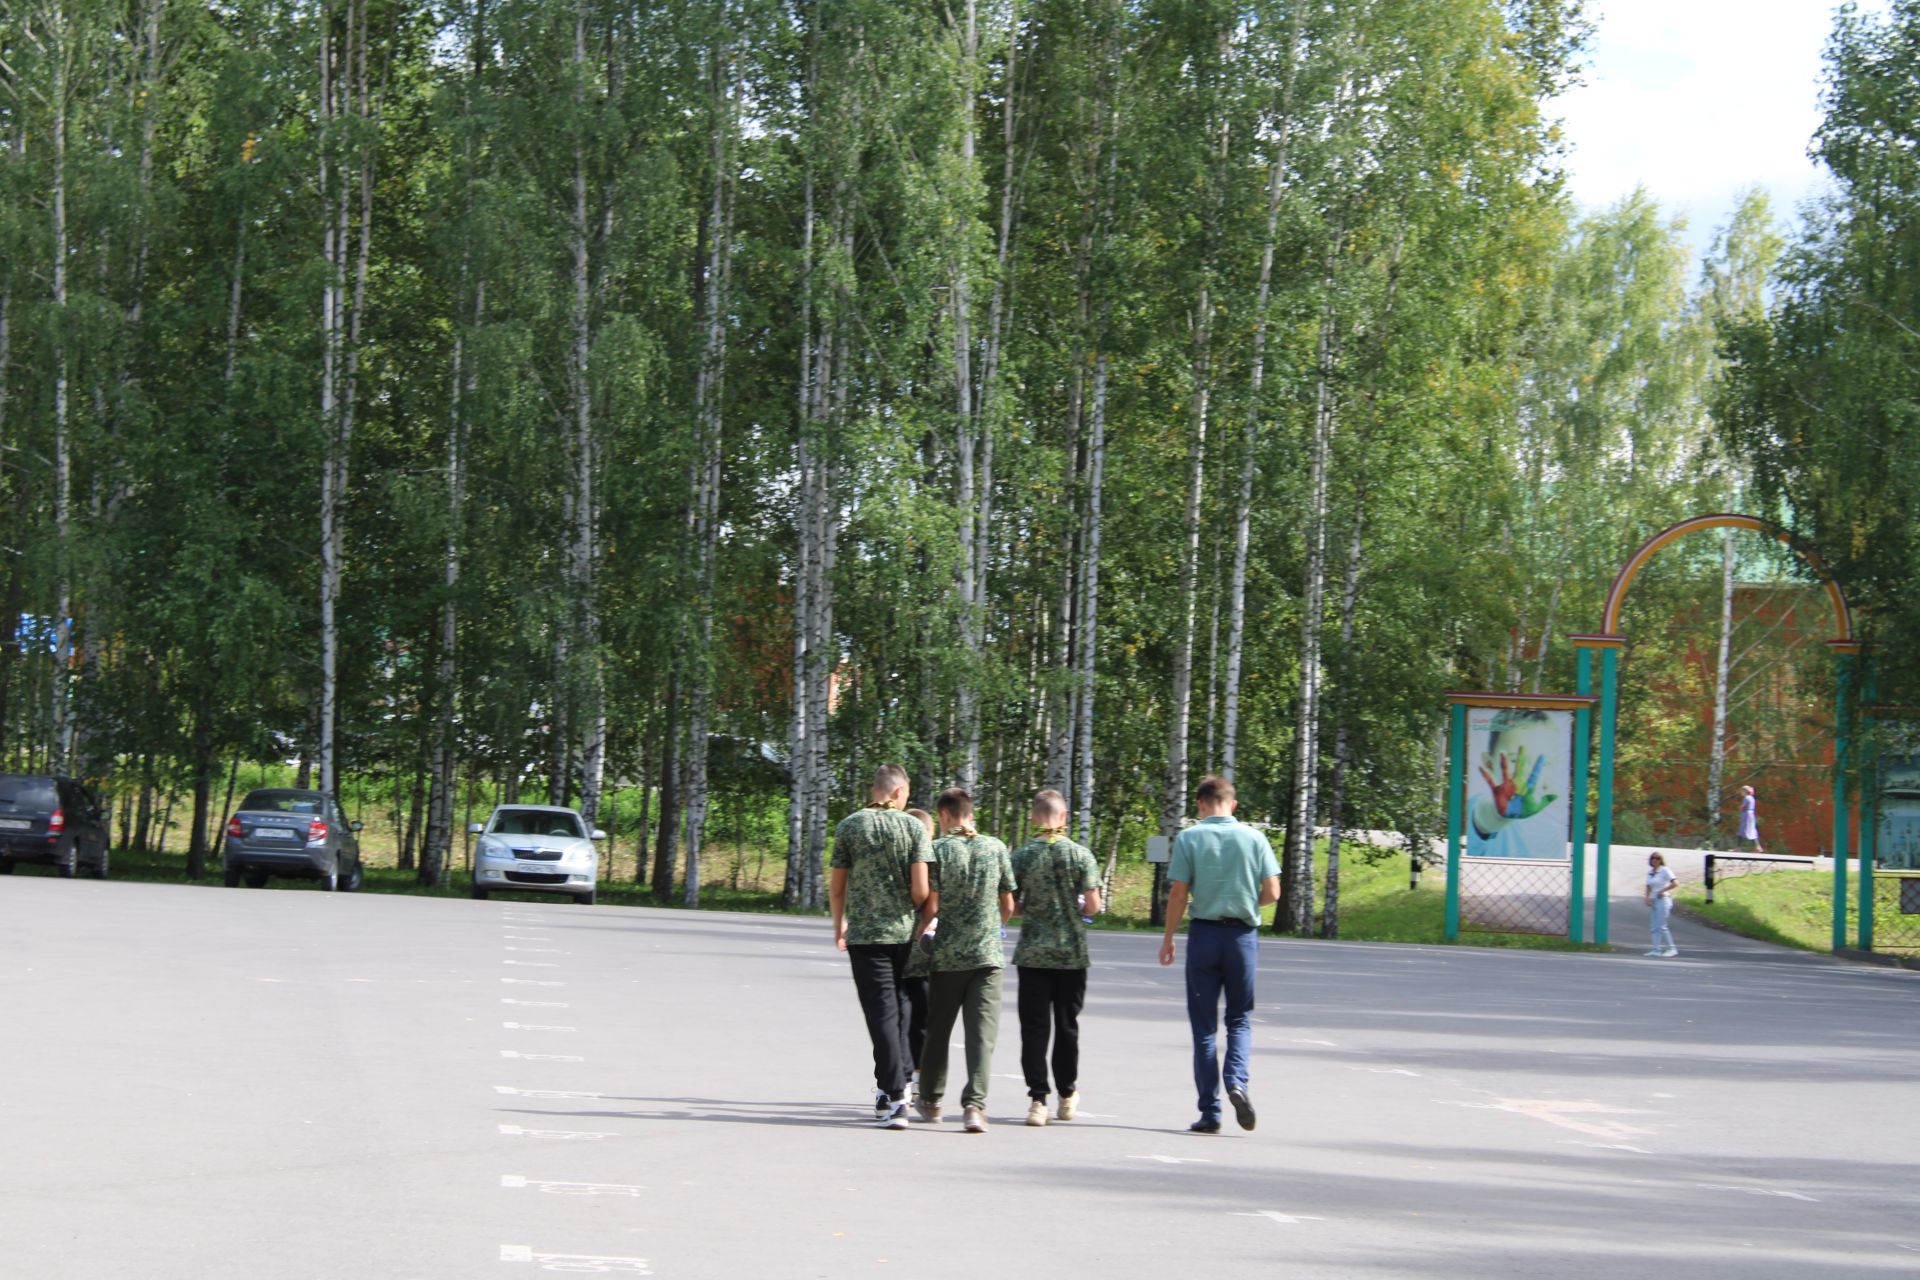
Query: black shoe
[[1204, 1125], [1242, 1107]]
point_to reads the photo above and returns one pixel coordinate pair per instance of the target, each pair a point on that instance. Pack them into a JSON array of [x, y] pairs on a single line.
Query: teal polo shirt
[[1223, 862]]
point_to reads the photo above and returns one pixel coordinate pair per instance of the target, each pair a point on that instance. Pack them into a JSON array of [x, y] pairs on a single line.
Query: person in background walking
[[1749, 819], [1660, 886], [880, 858], [973, 896], [1059, 886], [919, 967], [1228, 872]]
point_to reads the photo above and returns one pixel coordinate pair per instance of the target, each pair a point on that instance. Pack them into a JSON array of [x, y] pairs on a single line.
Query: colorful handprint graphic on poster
[[1518, 810]]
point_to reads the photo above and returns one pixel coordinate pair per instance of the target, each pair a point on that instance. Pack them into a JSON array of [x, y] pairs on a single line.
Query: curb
[[1875, 957]]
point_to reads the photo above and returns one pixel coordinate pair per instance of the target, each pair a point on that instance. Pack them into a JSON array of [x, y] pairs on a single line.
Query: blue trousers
[[1222, 957]]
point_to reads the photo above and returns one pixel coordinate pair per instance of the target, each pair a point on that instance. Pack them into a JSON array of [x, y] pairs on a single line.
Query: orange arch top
[[1842, 615]]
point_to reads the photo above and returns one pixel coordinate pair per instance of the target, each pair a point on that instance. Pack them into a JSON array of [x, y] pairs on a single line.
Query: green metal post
[[1869, 822], [1603, 826], [1456, 772], [1582, 750], [1842, 763]]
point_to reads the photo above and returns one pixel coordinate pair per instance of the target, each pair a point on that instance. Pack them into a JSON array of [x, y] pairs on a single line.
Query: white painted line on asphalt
[[576, 1263], [536, 1004], [1757, 1191], [521, 1183], [582, 1135], [1607, 1146], [541, 1057], [533, 982], [1173, 1159], [1287, 1219], [552, 951], [1393, 1071], [533, 964], [534, 1026], [549, 1094], [1328, 1043]]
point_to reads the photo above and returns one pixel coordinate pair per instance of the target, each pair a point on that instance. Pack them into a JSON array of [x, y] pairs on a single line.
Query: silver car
[[536, 848]]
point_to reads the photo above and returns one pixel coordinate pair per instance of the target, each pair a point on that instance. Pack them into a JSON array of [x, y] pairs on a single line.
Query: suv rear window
[[28, 793], [274, 801]]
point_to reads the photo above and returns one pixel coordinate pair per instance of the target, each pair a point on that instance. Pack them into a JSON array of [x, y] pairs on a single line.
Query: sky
[[1698, 100]]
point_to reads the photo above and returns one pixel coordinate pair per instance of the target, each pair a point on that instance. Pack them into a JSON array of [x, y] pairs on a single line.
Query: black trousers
[[915, 992], [880, 976], [1050, 1004]]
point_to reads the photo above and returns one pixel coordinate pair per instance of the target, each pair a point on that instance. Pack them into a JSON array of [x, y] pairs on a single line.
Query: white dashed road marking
[[551, 1094], [541, 1057], [1274, 1215], [521, 1182], [533, 1026], [581, 1135], [576, 1263]]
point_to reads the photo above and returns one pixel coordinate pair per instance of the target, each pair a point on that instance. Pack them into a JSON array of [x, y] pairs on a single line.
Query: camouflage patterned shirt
[[971, 872], [877, 849], [1053, 875]]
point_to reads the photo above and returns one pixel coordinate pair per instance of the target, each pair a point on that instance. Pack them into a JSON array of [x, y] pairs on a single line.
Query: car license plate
[[15, 824], [272, 833]]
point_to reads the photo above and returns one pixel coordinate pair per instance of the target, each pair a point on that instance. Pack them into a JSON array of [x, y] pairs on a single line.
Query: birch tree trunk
[[1090, 592], [706, 498], [1250, 433], [590, 714], [1342, 737], [1722, 668], [1296, 891], [61, 726]]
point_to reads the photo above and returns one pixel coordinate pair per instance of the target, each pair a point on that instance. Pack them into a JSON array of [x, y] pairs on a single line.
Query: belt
[[1222, 920]]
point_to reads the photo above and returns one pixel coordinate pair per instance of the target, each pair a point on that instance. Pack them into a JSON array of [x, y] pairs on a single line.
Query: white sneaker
[[1653, 953], [926, 1112], [1037, 1113], [882, 1104], [976, 1120], [1069, 1105], [1671, 951], [896, 1117]]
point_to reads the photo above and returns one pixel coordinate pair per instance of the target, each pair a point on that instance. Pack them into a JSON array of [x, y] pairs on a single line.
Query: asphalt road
[[214, 1083]]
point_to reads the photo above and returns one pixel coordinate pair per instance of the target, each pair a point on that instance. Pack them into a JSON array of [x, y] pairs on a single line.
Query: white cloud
[[1697, 100]]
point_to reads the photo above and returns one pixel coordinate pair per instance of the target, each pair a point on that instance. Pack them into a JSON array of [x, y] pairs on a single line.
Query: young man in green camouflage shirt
[[1059, 885], [973, 896], [880, 860]]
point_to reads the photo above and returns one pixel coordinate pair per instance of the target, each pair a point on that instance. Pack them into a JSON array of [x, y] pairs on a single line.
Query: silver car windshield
[[536, 822]]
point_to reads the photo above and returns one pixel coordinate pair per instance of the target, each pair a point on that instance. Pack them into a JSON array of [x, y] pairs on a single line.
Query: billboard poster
[[1519, 782], [1897, 842]]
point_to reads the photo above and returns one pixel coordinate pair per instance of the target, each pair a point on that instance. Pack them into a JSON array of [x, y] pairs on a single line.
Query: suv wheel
[[67, 860], [100, 867], [479, 893], [6, 866], [586, 899], [230, 877], [256, 879], [353, 882], [331, 880]]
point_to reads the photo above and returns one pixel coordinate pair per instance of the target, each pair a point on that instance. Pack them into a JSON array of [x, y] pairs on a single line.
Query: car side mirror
[[356, 826], [474, 828], [598, 834]]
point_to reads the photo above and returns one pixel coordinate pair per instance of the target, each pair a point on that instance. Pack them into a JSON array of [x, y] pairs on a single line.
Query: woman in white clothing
[[1749, 824], [1660, 886]]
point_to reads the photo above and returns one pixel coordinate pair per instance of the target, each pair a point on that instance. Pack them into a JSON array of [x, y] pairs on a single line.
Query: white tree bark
[[1342, 738], [1090, 593], [706, 497], [61, 745], [1722, 669]]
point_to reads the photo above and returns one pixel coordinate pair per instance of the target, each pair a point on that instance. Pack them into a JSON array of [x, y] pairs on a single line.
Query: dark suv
[[278, 831], [51, 820]]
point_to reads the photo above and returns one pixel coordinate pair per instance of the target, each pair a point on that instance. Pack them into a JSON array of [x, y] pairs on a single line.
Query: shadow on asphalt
[[825, 1115]]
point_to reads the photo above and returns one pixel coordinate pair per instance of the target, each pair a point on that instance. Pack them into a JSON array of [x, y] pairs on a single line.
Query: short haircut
[[1214, 789], [955, 803], [1049, 801], [924, 817], [889, 778]]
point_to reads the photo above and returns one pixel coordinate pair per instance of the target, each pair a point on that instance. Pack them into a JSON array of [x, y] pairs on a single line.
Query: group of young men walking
[[921, 903]]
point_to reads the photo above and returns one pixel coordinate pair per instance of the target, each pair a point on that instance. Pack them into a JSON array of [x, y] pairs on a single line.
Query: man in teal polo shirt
[[1228, 872]]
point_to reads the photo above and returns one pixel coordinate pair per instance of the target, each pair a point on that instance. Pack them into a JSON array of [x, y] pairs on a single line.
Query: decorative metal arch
[[1616, 595]]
